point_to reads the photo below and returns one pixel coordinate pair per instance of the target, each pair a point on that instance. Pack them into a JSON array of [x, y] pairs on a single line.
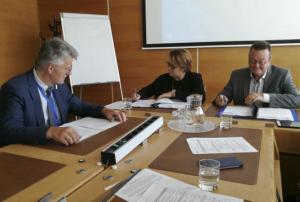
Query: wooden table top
[[89, 186]]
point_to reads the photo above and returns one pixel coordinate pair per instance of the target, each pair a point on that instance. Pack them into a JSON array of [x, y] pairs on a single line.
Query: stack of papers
[[87, 127], [242, 111], [116, 105], [150, 186], [160, 103], [260, 113], [275, 114]]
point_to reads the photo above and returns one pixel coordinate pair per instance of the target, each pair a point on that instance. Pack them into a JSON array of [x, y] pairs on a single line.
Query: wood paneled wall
[[19, 37], [139, 67]]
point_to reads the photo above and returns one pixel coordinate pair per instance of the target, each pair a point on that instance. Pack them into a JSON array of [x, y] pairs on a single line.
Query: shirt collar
[[263, 76], [39, 81]]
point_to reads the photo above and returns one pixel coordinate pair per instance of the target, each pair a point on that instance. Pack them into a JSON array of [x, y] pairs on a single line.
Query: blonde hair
[[180, 58]]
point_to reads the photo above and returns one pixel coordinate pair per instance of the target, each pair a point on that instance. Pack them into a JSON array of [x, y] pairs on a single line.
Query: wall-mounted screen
[[172, 23]]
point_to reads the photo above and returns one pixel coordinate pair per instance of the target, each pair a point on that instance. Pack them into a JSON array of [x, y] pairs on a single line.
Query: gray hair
[[54, 51]]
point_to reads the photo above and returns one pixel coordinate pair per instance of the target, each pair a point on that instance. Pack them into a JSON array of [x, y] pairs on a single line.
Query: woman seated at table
[[178, 83]]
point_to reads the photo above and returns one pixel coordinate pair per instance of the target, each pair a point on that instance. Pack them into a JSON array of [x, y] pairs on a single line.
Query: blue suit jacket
[[21, 114]]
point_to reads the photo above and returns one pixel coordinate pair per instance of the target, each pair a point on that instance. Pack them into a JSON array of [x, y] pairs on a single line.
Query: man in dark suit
[[260, 84], [33, 104]]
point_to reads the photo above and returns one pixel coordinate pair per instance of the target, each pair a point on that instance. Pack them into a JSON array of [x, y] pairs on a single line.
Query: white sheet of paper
[[174, 105], [219, 145], [243, 111], [275, 113], [116, 105], [150, 186], [143, 103], [87, 127], [163, 103]]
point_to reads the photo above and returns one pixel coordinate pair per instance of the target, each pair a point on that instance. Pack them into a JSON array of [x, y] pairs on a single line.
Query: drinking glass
[[209, 173], [127, 103], [226, 121]]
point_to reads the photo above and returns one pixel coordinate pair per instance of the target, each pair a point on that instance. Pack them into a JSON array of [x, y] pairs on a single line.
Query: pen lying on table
[[117, 186]]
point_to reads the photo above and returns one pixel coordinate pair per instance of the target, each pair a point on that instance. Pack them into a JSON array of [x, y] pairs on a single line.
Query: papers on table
[[116, 105], [275, 114], [87, 127], [219, 145], [149, 186], [262, 113], [144, 103], [161, 103], [243, 111]]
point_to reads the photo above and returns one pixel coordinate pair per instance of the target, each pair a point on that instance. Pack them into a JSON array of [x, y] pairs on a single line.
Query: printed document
[[243, 111], [150, 186], [116, 105], [219, 145], [87, 127], [275, 114], [160, 103]]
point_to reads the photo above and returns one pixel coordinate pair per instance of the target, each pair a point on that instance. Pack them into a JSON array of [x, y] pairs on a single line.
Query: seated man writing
[[33, 104], [260, 84]]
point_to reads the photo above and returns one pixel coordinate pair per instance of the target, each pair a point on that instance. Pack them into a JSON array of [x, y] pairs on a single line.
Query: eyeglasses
[[64, 67], [172, 66], [260, 62]]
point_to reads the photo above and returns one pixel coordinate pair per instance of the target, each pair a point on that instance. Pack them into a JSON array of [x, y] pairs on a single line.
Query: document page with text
[[150, 186], [219, 145], [87, 127]]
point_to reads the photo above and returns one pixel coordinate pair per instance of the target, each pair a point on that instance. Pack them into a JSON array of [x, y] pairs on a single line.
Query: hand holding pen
[[221, 100], [135, 96]]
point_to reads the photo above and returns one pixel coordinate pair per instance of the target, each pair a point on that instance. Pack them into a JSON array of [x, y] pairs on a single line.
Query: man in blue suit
[[33, 104]]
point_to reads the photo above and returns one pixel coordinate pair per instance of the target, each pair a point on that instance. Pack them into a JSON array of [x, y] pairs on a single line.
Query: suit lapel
[[246, 84], [36, 100], [267, 81]]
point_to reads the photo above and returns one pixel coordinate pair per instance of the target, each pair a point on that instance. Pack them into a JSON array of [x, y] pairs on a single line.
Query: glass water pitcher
[[194, 112]]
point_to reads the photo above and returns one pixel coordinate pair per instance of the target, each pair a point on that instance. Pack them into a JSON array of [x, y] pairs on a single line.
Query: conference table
[[79, 176]]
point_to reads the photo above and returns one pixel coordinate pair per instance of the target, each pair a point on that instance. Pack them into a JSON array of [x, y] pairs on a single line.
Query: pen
[[111, 186], [117, 186]]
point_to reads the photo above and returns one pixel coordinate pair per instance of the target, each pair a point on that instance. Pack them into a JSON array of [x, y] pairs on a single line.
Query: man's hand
[[221, 100], [64, 135], [111, 114], [169, 94], [254, 97]]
